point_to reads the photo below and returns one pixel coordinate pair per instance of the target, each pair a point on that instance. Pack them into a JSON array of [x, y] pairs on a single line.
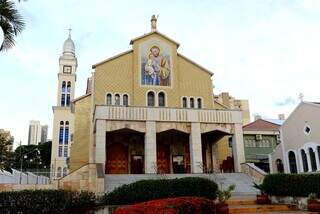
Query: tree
[[6, 141], [11, 23], [33, 157]]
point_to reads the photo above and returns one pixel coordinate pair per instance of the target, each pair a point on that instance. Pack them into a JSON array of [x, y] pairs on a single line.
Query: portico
[[135, 140]]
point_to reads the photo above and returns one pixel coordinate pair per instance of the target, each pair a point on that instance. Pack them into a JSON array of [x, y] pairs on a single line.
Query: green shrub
[[44, 201], [292, 184], [146, 190]]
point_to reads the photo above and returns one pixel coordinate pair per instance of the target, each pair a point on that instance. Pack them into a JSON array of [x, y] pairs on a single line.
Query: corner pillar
[[150, 148], [100, 142], [238, 147], [195, 149]]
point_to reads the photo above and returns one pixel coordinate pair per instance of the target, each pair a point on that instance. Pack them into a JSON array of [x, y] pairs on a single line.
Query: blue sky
[[262, 50]]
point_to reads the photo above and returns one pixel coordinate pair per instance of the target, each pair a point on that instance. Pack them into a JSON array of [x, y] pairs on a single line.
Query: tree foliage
[[33, 156], [6, 141], [11, 23]]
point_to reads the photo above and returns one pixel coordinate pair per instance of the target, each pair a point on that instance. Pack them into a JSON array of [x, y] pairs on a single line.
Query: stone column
[[150, 148], [238, 147], [309, 161], [100, 142], [195, 149]]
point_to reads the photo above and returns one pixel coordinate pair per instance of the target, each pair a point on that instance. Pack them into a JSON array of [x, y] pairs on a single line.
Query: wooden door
[[117, 159], [163, 158]]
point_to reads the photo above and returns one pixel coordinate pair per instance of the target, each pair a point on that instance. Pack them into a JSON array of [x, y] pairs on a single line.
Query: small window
[[63, 99], [199, 102], [65, 171], [67, 123], [109, 99], [307, 129], [117, 99], [66, 135], [60, 151], [150, 99], [184, 102], [59, 172], [161, 99], [191, 102], [65, 152], [125, 100], [68, 100]]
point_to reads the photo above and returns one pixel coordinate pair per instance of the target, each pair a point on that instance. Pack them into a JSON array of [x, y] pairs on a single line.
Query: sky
[[266, 51]]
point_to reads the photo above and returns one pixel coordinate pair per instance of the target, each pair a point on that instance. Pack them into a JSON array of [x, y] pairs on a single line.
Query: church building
[[147, 111]]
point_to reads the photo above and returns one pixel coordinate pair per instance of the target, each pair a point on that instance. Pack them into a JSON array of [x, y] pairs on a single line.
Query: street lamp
[[25, 156]]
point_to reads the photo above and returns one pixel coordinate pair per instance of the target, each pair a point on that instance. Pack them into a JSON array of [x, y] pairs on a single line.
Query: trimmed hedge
[[44, 201], [292, 184], [180, 205], [146, 190]]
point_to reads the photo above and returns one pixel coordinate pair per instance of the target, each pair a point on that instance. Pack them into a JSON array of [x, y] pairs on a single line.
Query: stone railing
[[167, 114], [254, 172]]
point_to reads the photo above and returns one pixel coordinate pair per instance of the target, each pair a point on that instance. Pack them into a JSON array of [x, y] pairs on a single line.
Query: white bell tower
[[63, 118]]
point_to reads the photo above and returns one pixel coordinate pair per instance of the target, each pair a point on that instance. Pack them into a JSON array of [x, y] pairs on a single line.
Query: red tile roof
[[261, 125]]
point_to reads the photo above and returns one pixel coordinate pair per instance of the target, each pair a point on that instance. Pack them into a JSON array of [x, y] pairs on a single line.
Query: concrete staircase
[[248, 205]]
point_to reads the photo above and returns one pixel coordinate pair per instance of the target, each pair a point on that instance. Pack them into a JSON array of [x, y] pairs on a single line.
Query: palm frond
[[11, 23]]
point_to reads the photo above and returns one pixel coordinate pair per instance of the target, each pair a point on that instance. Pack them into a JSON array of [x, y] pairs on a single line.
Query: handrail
[[254, 172]]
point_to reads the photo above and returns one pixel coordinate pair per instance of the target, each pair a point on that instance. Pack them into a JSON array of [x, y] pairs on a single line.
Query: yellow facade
[[79, 154], [121, 75]]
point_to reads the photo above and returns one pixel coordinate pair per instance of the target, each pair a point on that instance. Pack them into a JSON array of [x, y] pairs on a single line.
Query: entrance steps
[[244, 184], [249, 205]]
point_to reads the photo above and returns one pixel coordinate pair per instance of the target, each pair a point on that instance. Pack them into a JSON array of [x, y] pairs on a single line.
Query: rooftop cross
[[70, 31]]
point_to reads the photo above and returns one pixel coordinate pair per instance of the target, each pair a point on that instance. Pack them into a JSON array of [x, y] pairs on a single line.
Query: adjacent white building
[[299, 150]]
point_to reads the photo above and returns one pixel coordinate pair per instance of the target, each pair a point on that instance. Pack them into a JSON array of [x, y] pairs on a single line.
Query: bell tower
[[63, 120]]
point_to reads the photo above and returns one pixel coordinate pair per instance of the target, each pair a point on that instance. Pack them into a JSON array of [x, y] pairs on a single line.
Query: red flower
[[186, 205]]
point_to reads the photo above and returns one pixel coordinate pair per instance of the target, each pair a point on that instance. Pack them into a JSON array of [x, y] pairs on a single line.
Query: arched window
[[292, 162], [109, 99], [304, 161], [313, 160], [59, 172], [184, 102], [161, 99], [63, 87], [199, 102], [125, 100], [69, 87], [65, 171], [151, 100], [191, 102], [279, 165], [117, 99], [66, 133], [61, 132]]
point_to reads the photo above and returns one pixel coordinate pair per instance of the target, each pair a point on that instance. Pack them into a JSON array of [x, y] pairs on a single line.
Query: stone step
[[257, 208], [241, 201]]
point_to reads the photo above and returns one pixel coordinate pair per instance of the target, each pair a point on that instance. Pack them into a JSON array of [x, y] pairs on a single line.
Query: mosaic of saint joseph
[[156, 70]]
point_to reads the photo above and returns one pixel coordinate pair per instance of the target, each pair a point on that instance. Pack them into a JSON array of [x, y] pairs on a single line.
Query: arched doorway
[[304, 161], [292, 162], [117, 159], [279, 165]]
